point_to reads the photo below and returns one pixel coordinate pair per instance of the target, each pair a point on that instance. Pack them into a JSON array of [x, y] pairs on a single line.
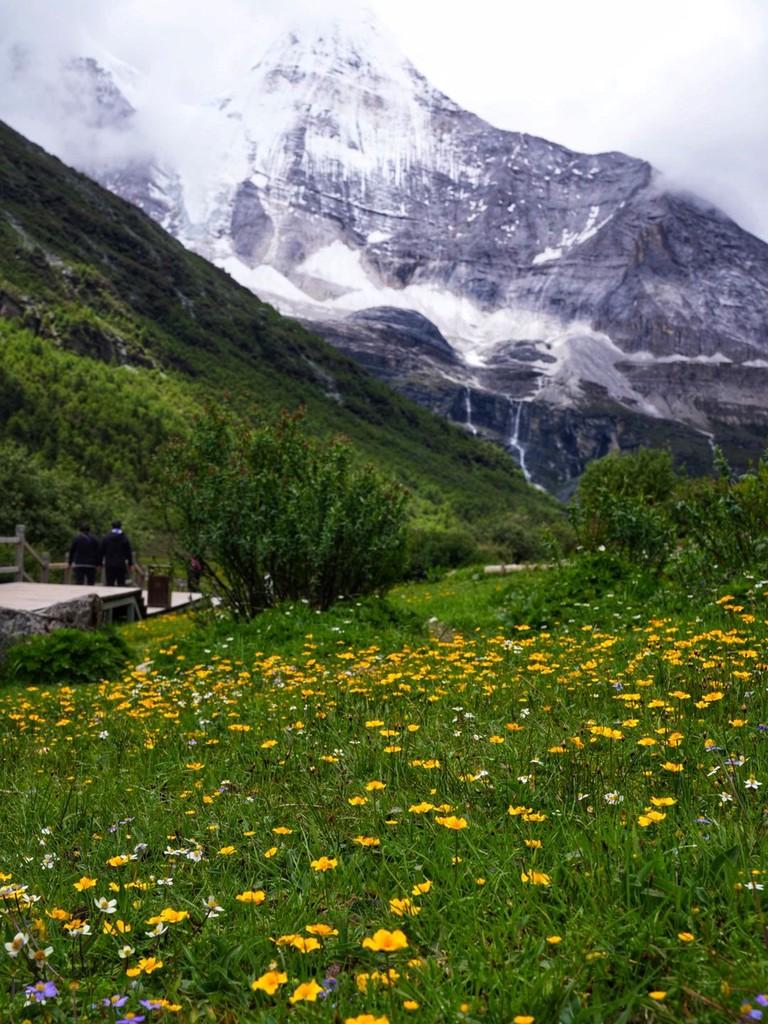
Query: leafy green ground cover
[[352, 816]]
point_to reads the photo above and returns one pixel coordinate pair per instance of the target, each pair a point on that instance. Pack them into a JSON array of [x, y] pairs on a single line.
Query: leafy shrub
[[723, 523], [68, 656], [275, 516], [431, 551], [623, 504]]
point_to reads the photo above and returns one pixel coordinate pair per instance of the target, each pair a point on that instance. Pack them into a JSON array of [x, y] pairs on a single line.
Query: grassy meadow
[[359, 817]]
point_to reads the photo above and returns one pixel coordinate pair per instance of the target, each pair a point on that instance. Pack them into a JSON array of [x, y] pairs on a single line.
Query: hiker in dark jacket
[[85, 556], [117, 554]]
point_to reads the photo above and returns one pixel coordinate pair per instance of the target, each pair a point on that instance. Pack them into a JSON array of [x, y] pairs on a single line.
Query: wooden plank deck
[[38, 597]]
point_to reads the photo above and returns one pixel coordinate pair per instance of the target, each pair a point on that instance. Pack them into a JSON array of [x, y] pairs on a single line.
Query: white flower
[[48, 861], [754, 885], [195, 855], [125, 951], [83, 929], [17, 943], [613, 798], [103, 735], [212, 906], [39, 955], [159, 929], [752, 783], [105, 906], [726, 798]]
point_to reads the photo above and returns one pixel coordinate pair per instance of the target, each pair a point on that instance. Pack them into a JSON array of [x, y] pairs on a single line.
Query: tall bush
[[623, 503], [275, 515]]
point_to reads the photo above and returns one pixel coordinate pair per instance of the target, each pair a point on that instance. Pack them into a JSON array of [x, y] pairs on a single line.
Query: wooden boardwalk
[[40, 597]]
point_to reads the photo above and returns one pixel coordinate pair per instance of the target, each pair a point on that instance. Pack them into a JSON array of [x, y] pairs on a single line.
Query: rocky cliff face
[[560, 303]]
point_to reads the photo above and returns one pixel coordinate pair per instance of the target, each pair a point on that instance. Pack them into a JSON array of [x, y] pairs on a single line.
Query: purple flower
[[151, 1004], [41, 991], [135, 1018], [755, 1015], [329, 985], [762, 999], [114, 1001]]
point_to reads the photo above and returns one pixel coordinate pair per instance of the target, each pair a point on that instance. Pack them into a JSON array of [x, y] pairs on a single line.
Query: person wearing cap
[[117, 555]]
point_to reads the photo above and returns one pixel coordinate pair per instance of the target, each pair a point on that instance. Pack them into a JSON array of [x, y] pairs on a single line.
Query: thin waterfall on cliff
[[468, 407], [514, 444]]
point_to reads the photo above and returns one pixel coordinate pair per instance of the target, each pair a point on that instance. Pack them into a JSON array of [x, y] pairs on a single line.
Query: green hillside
[[112, 335]]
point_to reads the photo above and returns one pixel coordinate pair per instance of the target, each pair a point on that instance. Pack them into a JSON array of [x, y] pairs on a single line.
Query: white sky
[[682, 83]]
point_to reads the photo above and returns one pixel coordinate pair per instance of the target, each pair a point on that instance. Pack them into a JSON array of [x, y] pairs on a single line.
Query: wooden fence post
[[19, 554], [45, 564]]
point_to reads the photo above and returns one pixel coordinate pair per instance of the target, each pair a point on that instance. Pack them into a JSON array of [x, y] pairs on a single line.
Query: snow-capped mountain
[[560, 303]]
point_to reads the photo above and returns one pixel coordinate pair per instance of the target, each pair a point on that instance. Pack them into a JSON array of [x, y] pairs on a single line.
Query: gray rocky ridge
[[562, 304]]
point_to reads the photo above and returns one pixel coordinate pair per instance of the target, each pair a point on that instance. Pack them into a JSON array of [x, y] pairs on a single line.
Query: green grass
[[184, 769]]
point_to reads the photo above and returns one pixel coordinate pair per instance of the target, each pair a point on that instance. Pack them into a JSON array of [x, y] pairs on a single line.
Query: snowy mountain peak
[[332, 178]]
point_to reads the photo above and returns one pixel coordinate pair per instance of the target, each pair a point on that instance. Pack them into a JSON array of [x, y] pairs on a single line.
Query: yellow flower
[[554, 939], [321, 929], [270, 852], [452, 822], [303, 945], [269, 982], [367, 841], [85, 883], [357, 801], [251, 896], [410, 1004], [281, 830], [421, 888], [59, 914], [663, 801], [535, 878], [404, 907], [169, 916], [421, 808], [670, 766], [324, 864], [374, 784], [268, 744], [522, 1018], [658, 995], [384, 941], [366, 1018], [227, 851], [685, 936], [307, 991], [147, 964]]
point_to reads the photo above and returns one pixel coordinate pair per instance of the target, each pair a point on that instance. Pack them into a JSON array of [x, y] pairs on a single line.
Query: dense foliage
[[695, 531], [65, 656], [274, 515]]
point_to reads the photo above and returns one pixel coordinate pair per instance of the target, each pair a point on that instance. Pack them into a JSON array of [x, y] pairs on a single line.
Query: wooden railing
[[44, 563]]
